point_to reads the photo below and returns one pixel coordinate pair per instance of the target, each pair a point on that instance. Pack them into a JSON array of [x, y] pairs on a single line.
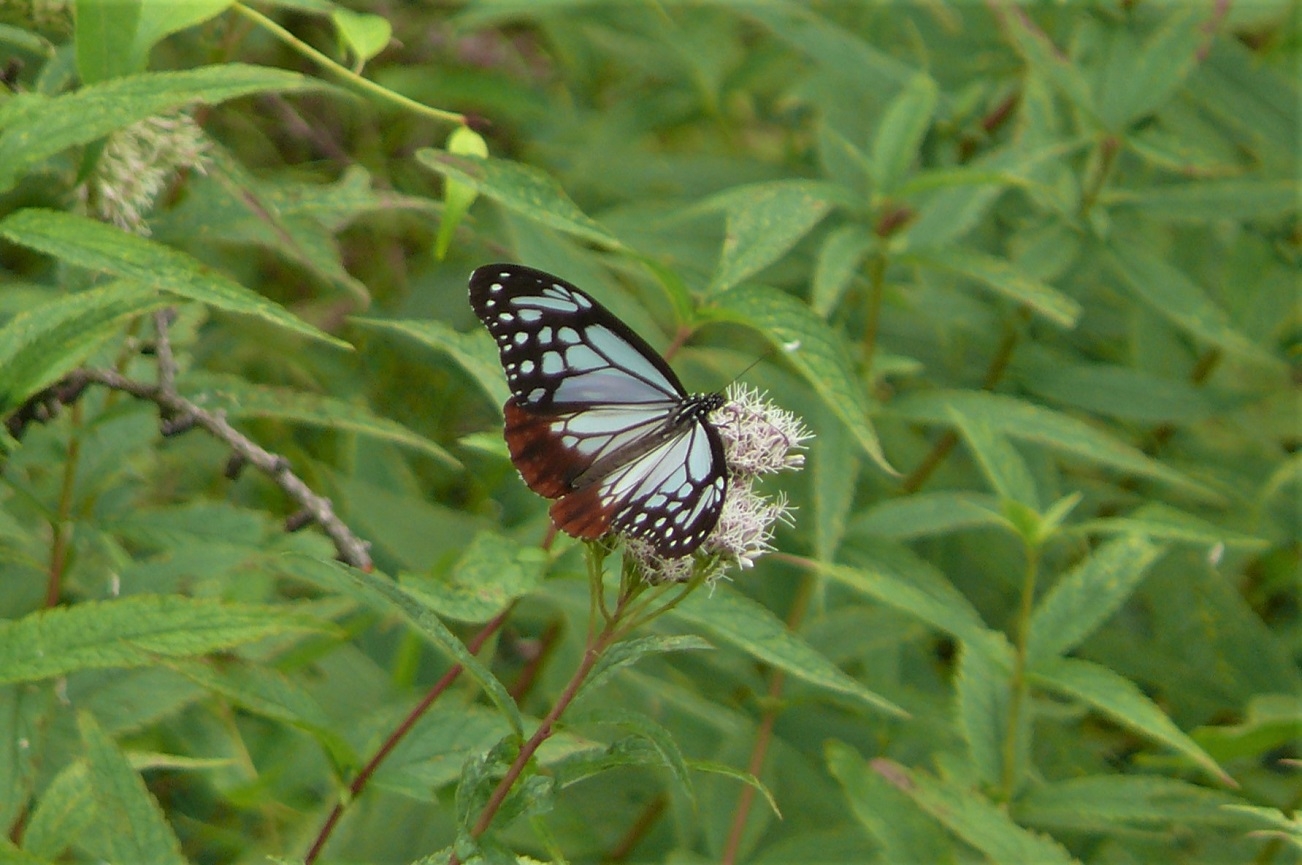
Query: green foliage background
[[1029, 271]]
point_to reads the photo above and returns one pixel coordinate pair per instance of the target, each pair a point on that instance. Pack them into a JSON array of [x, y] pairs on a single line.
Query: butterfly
[[597, 420]]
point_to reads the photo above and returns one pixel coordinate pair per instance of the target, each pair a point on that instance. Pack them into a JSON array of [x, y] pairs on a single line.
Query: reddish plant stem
[[62, 535], [474, 644], [647, 819]]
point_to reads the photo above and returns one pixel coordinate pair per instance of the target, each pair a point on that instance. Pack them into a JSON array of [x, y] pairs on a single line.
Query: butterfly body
[[597, 419]]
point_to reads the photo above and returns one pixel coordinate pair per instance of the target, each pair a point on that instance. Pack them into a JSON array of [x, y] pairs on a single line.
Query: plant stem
[[62, 525], [1017, 684], [344, 72]]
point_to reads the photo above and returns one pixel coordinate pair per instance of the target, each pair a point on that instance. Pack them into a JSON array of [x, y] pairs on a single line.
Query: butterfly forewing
[[597, 419]]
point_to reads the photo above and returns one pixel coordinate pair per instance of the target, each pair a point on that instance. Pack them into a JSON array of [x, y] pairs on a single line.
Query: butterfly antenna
[[786, 347]]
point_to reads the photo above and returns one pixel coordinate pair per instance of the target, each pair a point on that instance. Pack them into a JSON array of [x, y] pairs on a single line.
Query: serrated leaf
[[901, 130], [657, 736], [492, 572], [625, 653], [24, 716], [521, 189], [1003, 277], [1086, 596], [62, 814], [41, 344], [431, 755], [474, 351], [903, 832], [1027, 422], [1137, 78], [134, 631], [1119, 699], [1271, 721], [82, 116], [373, 588], [96, 246], [924, 514], [1046, 59], [242, 399], [812, 347], [752, 628], [974, 818], [132, 823], [1177, 298], [763, 222], [1162, 522]]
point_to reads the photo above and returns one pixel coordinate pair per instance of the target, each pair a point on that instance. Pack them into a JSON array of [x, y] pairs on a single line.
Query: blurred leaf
[[161, 18], [659, 738], [835, 465], [1204, 200], [1180, 300], [625, 653], [924, 514], [521, 189], [1119, 699], [1044, 58], [104, 34], [1138, 78], [135, 631], [365, 35], [52, 125], [457, 196], [1085, 596], [900, 132], [902, 831], [838, 260], [63, 813], [42, 344], [752, 628], [1161, 522], [764, 221], [813, 348], [492, 572], [95, 246], [999, 461], [983, 688], [1273, 822], [23, 716], [474, 351], [1004, 277], [973, 818], [1027, 422], [133, 826], [1271, 722], [241, 399], [1107, 803]]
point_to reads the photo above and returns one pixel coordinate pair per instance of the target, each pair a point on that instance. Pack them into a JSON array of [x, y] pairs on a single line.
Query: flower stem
[[1017, 684]]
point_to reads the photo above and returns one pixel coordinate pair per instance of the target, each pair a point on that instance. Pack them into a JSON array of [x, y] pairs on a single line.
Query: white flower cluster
[[758, 439], [137, 163]]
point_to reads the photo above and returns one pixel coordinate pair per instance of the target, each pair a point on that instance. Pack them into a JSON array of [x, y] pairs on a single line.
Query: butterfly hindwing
[[597, 419]]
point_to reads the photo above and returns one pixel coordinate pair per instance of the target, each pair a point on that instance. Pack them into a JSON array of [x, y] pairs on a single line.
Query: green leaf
[[162, 18], [133, 632], [999, 461], [752, 628], [1003, 277], [377, 590], [902, 831], [1119, 699], [1087, 595], [1046, 59], [625, 653], [838, 260], [24, 716], [1138, 79], [1210, 200], [984, 694], [1271, 721], [457, 196], [1176, 297], [522, 189], [973, 818], [658, 737], [835, 468], [133, 825], [431, 755], [474, 351], [42, 344], [492, 572], [1027, 422], [1274, 823], [725, 771], [812, 347], [900, 132], [95, 246], [1121, 392], [104, 35], [925, 514], [764, 221], [1162, 522], [896, 577], [242, 399], [365, 35], [50, 126], [1107, 803]]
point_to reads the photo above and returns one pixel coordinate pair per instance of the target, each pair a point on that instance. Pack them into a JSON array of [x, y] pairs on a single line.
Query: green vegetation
[[272, 587]]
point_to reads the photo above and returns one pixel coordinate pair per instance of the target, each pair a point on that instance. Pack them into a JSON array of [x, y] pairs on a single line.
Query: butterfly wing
[[597, 418]]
